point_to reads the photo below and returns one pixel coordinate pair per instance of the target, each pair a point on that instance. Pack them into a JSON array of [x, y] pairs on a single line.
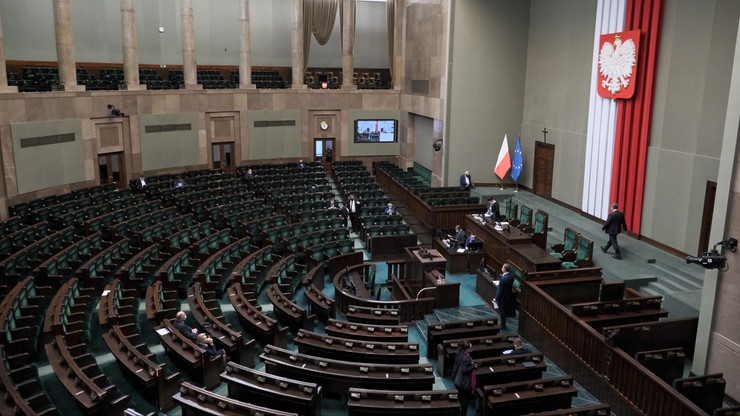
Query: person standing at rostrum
[[613, 226], [503, 292], [463, 375]]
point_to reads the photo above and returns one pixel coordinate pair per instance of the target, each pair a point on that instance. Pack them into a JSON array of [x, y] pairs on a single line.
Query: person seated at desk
[[138, 183], [457, 240], [389, 210], [180, 325], [519, 348], [332, 203], [206, 342], [301, 165], [473, 243], [178, 183], [248, 176]]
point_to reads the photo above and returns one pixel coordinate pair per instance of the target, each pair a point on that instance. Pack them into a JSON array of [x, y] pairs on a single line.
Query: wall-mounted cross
[[544, 132]]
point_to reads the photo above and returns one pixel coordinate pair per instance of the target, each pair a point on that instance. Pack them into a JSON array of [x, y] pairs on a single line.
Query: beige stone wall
[[222, 115]]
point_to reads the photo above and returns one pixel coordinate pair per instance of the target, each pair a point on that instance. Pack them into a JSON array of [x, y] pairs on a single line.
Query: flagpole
[[502, 184], [517, 187]]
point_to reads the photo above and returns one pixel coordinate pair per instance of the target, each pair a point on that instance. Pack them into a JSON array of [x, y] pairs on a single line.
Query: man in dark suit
[[614, 226], [344, 213], [389, 210], [180, 325], [353, 205], [503, 292], [493, 212], [466, 182], [457, 240], [471, 242]]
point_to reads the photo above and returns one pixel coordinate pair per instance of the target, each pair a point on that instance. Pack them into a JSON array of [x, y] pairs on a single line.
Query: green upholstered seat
[[570, 240]]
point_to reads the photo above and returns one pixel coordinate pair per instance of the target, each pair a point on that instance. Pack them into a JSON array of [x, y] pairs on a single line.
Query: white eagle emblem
[[616, 62]]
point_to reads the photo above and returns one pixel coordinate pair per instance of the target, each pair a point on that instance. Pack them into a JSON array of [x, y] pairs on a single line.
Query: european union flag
[[516, 165]]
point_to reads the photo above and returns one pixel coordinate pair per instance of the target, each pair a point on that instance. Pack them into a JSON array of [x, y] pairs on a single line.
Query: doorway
[[544, 159], [111, 169], [324, 152], [221, 158]]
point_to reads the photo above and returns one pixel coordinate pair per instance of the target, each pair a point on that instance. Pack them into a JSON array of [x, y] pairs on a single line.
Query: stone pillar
[[298, 68], [245, 66], [3, 70], [65, 47], [398, 44], [189, 67], [130, 47], [348, 44]]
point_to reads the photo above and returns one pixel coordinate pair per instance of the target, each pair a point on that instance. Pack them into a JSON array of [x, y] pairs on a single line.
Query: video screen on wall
[[375, 131]]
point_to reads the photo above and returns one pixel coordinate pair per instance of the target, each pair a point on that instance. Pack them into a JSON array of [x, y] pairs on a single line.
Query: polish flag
[[503, 163]]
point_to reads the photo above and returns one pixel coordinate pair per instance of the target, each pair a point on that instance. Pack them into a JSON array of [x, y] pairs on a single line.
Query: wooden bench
[[20, 314], [525, 396], [259, 325], [569, 285], [485, 346], [337, 376], [367, 332], [319, 304], [365, 402], [288, 312], [668, 364], [101, 265], [264, 389], [206, 309], [67, 351], [593, 410], [328, 346], [373, 316], [620, 312], [707, 391], [644, 336], [189, 355], [161, 303], [510, 368], [132, 353], [197, 401], [438, 332]]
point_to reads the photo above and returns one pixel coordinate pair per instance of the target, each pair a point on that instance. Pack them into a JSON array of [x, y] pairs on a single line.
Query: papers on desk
[[460, 250], [163, 331]]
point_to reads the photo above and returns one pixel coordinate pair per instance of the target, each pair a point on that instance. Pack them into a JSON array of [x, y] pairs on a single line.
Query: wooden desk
[[421, 264], [458, 262], [446, 294], [512, 245]]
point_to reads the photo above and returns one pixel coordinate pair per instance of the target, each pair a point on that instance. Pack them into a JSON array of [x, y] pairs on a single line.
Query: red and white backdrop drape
[[619, 130]]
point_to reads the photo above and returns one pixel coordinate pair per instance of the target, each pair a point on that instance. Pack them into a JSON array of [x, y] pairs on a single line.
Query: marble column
[[245, 50], [189, 66], [398, 44], [348, 44], [298, 68], [4, 87], [130, 47], [65, 47]]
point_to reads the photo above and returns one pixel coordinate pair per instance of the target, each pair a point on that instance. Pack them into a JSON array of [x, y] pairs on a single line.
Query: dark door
[[706, 216], [544, 159], [222, 160], [110, 168]]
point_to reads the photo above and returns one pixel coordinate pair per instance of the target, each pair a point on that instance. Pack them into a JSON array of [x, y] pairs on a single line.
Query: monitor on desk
[[475, 246]]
